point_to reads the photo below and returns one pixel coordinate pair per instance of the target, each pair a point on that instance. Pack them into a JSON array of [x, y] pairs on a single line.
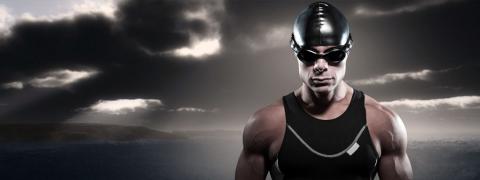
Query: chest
[[330, 156]]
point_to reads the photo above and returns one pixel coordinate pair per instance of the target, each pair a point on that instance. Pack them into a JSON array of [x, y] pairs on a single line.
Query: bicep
[[395, 167], [250, 166], [394, 162], [253, 161]]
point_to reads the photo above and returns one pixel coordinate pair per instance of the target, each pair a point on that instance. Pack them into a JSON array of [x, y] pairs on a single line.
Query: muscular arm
[[258, 136], [250, 166], [394, 162]]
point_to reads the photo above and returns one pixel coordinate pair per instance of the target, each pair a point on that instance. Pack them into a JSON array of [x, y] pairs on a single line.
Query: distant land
[[219, 133], [60, 132]]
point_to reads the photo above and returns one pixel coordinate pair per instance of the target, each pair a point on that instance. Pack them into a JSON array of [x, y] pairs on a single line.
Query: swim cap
[[321, 24]]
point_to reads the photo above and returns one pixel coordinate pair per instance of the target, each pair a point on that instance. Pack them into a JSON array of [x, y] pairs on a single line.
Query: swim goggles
[[333, 55]]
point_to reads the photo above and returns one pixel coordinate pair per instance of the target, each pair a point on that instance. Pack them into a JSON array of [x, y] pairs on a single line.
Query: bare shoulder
[[386, 125], [263, 128]]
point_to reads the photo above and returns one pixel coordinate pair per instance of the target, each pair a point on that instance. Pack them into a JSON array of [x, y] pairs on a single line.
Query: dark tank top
[[339, 148]]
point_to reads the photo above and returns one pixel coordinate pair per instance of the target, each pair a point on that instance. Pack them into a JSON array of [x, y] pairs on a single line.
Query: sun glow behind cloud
[[203, 46], [123, 106], [200, 48]]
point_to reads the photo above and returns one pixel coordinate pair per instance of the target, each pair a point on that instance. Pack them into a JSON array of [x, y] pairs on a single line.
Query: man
[[325, 129]]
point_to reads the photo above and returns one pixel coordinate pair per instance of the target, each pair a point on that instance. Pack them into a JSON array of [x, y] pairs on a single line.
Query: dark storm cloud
[[94, 41], [34, 47], [161, 25], [242, 77]]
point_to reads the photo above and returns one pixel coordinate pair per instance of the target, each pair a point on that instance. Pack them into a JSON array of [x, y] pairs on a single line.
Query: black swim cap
[[321, 24]]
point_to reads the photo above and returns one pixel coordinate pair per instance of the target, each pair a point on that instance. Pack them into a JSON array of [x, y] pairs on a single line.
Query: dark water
[[195, 159], [442, 160], [169, 159]]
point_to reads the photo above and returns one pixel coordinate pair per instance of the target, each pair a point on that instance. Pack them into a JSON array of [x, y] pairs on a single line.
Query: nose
[[320, 66]]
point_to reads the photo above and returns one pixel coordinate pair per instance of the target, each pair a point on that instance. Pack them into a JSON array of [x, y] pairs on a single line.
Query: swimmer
[[324, 129]]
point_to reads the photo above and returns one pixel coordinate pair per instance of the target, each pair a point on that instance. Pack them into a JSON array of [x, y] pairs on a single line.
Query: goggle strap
[[293, 44], [296, 48]]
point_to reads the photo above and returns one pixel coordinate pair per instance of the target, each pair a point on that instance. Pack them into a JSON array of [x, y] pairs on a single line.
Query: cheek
[[339, 72], [304, 71]]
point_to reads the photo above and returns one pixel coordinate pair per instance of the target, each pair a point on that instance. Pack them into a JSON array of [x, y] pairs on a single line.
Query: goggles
[[333, 55]]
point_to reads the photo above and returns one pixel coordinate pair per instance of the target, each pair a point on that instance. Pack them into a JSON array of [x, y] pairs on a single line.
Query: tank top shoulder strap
[[358, 109], [291, 106], [358, 97]]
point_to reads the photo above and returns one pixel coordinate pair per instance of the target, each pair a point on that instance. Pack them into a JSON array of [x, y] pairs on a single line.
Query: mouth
[[320, 81]]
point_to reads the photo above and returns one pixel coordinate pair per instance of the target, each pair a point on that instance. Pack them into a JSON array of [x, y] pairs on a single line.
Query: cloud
[[193, 109], [422, 75], [390, 77], [13, 85], [203, 46], [35, 48], [123, 106], [61, 78], [410, 6], [53, 79], [459, 102], [204, 36], [104, 7], [6, 20], [200, 48]]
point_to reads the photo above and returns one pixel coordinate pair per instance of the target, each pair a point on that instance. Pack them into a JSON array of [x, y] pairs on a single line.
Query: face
[[321, 76]]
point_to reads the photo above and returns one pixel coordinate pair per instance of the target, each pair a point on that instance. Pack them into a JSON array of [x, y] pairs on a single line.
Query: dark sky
[[209, 64]]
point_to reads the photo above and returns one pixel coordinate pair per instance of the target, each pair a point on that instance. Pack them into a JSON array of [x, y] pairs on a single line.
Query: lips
[[320, 79]]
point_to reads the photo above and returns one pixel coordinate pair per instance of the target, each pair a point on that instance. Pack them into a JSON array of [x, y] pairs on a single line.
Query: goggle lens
[[333, 56]]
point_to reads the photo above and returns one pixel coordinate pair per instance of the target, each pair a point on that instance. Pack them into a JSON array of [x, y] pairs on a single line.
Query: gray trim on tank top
[[323, 154]]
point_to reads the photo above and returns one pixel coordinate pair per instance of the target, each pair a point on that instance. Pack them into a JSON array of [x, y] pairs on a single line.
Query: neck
[[322, 99]]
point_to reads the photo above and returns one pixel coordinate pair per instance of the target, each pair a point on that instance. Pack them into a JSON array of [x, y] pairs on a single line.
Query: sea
[[195, 159]]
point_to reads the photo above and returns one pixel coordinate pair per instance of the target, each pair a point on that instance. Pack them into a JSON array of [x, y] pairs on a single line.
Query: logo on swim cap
[[320, 24]]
